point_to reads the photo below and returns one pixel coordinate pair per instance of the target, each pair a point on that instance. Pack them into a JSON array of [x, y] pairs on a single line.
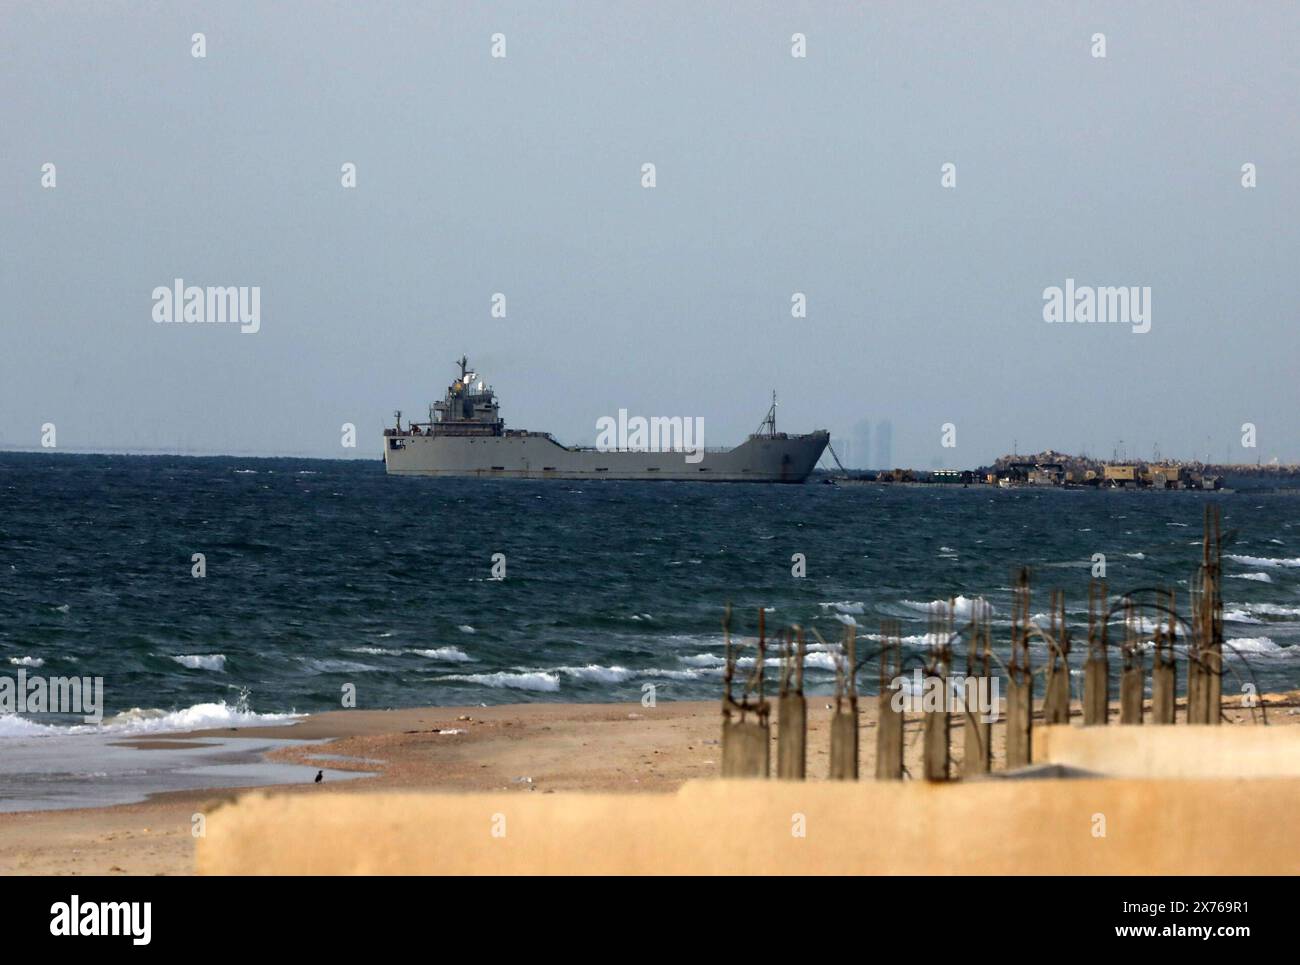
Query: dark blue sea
[[325, 574]]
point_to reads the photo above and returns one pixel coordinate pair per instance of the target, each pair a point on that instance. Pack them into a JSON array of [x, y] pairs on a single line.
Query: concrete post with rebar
[[792, 710], [889, 716], [1096, 670], [844, 717], [1020, 684], [745, 728]]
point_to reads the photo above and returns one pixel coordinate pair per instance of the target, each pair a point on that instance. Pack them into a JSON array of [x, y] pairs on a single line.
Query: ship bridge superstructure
[[469, 408]]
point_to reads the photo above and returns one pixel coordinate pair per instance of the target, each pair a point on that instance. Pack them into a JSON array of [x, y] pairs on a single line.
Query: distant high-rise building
[[884, 445], [861, 445]]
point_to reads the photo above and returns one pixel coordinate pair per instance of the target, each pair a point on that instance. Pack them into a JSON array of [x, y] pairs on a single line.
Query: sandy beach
[[523, 748]]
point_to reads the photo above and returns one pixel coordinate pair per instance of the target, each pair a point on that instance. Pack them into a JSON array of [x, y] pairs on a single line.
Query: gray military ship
[[466, 436]]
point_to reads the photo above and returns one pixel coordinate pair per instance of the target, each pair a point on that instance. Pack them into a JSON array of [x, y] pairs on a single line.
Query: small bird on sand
[[320, 776]]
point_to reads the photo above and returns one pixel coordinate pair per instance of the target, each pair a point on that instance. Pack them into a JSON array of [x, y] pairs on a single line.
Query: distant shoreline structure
[[1051, 469]]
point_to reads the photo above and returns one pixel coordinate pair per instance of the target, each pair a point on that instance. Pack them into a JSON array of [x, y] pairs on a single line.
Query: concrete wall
[[1159, 752], [746, 827]]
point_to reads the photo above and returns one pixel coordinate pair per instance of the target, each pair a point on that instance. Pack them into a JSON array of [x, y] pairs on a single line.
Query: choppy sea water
[[326, 574]]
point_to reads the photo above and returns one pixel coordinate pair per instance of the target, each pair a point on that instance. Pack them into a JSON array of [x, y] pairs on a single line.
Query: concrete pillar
[[1214, 684], [1162, 692], [1130, 694], [1056, 702], [844, 743], [1096, 691], [977, 750], [744, 748], [935, 734], [791, 737], [1020, 712], [889, 739], [1196, 690]]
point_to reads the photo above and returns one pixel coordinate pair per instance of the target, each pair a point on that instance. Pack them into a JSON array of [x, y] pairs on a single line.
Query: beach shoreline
[[524, 748]]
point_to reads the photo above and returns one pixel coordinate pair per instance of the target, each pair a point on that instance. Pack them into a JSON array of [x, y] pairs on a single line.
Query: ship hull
[[779, 459]]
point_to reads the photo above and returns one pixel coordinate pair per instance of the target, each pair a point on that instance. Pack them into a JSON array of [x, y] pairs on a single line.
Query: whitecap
[[451, 654], [515, 681], [202, 661], [27, 661], [702, 660], [1256, 646], [1239, 616], [1264, 560], [963, 607], [845, 606], [1271, 609]]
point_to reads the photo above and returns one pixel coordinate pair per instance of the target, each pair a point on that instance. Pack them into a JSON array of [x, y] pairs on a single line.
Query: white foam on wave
[[1239, 616], [27, 661], [820, 660], [702, 660], [1271, 609], [11, 725], [1264, 560], [963, 607], [466, 628], [1257, 577], [453, 654], [197, 717], [918, 639], [1257, 647], [597, 673], [138, 720], [201, 661], [516, 681], [845, 606], [1144, 623]]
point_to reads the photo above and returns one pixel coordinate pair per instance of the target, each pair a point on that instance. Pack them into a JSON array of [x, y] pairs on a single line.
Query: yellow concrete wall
[[745, 827], [1179, 751]]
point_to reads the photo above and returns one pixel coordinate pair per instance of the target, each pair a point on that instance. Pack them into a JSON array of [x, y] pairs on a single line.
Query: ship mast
[[768, 426]]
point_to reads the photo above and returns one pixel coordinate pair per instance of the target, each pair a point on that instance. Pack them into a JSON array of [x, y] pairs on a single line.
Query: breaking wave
[[963, 607], [1264, 560]]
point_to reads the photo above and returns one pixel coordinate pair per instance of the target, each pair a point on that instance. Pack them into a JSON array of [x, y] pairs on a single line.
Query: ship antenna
[[464, 363]]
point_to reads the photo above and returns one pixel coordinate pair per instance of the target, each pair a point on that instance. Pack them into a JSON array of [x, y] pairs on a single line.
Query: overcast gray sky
[[775, 175]]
